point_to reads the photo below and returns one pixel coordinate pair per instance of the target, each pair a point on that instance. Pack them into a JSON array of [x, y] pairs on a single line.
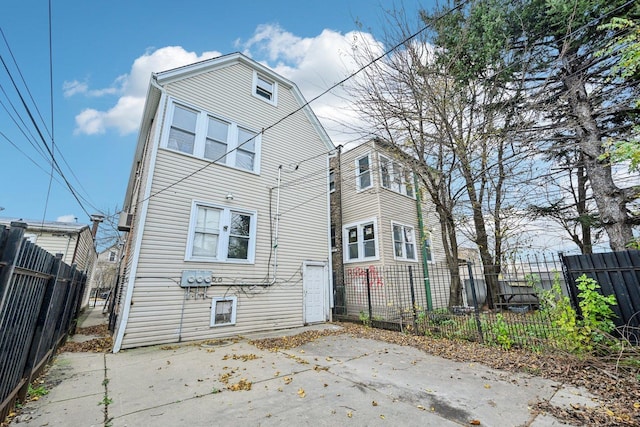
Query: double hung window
[[209, 137], [264, 88], [360, 240], [404, 242], [395, 177], [363, 172], [221, 234]]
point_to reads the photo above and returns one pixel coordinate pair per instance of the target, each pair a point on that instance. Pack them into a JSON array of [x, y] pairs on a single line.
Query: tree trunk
[[610, 200]]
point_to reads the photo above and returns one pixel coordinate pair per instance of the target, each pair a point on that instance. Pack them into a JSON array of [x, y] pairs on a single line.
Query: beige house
[[381, 225], [74, 241], [226, 211]]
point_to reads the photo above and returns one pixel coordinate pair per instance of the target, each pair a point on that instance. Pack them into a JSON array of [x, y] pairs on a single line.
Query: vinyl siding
[[387, 207], [161, 311]]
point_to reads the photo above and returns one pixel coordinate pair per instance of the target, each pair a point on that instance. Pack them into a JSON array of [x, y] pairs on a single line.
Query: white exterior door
[[316, 289]]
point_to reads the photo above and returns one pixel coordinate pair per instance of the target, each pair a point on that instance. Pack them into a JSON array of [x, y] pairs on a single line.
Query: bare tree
[[461, 135]]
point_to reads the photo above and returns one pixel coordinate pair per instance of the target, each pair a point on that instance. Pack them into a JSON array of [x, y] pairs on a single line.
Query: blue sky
[[103, 53]]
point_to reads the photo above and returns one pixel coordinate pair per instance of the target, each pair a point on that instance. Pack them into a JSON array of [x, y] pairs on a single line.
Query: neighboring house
[[226, 209], [105, 272], [74, 241], [377, 225]]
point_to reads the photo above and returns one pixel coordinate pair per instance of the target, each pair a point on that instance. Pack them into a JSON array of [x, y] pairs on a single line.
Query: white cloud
[[125, 115], [314, 64], [67, 218]]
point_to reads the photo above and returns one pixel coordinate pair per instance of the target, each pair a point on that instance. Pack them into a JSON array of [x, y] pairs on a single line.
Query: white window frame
[[359, 174], [404, 257], [202, 123], [273, 100], [224, 232], [332, 180], [428, 248], [360, 227], [234, 309], [403, 183]]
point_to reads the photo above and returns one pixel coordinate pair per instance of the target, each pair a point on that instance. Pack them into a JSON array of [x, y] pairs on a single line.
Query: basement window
[[223, 311]]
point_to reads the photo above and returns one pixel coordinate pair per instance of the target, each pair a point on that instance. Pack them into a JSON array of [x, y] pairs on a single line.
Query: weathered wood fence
[[40, 298]]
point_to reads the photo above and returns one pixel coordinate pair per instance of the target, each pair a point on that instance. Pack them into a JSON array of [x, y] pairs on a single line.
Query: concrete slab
[[334, 380]]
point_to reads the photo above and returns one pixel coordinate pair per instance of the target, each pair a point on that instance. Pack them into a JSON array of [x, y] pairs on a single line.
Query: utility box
[[195, 278]]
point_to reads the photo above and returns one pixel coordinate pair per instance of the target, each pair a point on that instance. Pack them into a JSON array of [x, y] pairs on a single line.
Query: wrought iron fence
[[40, 297], [454, 302]]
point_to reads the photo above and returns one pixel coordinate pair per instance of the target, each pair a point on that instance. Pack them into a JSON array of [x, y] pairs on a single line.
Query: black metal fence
[[449, 302], [40, 297], [617, 273]]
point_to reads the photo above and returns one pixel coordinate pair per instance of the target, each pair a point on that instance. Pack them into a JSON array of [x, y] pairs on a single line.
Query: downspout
[[423, 249]]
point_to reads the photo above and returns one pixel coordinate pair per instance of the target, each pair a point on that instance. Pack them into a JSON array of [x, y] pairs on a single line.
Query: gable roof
[[156, 88]]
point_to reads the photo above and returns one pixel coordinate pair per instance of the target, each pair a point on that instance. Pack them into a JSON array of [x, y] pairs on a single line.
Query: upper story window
[[112, 256], [361, 241], [221, 234], [404, 242], [265, 88], [363, 172], [332, 181], [213, 138], [395, 177]]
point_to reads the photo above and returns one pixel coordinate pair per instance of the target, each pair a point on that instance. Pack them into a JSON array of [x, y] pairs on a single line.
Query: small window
[[223, 311], [112, 256], [404, 244], [363, 172], [332, 181], [361, 241], [427, 247], [265, 88], [333, 237]]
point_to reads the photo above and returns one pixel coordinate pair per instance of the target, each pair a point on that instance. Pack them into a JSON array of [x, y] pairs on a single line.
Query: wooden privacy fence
[[617, 273], [40, 297]]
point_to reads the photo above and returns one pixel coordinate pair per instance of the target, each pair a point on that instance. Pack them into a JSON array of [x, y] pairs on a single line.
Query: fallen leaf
[[349, 414], [487, 386], [374, 403], [422, 408], [301, 393], [382, 416], [287, 380], [474, 422]]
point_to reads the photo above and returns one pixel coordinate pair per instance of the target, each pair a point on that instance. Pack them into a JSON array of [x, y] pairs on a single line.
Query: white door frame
[[325, 293]]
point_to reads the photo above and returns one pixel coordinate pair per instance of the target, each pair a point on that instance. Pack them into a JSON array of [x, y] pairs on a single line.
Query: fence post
[[369, 296], [8, 257], [571, 285], [475, 302], [413, 299], [43, 315]]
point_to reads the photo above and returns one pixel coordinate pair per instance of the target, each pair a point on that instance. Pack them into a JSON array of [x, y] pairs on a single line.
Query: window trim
[[223, 236], [428, 249], [199, 144], [332, 180], [234, 310], [345, 241], [404, 182], [404, 249], [274, 84], [359, 174]]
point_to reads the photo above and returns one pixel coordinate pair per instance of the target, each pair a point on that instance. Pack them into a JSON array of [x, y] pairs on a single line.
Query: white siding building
[[226, 209]]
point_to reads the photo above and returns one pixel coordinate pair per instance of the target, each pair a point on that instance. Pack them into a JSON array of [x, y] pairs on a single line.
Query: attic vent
[[124, 223]]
